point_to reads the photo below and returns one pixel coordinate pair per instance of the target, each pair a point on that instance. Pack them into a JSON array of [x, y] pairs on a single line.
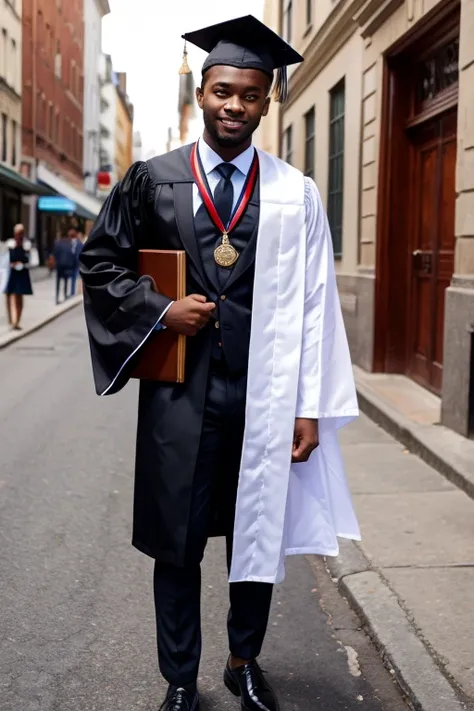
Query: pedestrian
[[76, 246], [233, 451], [19, 282], [66, 262]]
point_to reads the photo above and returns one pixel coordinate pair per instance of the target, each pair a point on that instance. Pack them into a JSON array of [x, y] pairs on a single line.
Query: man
[[232, 451], [66, 259], [76, 246]]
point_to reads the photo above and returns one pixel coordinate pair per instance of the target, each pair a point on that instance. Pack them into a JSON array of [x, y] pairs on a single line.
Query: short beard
[[226, 141]]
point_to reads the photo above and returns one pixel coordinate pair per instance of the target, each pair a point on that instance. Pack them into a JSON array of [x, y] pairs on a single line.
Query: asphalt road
[[76, 611]]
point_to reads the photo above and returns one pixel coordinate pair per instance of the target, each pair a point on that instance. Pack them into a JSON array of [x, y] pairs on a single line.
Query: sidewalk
[[412, 577], [38, 310]]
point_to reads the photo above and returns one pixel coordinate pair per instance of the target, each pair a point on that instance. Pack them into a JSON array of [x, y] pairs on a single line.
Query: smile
[[232, 123]]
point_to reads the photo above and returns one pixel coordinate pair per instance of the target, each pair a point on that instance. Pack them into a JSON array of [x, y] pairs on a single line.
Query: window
[[309, 12], [288, 21], [58, 61], [309, 141], [57, 137], [51, 122], [13, 66], [4, 137], [14, 139], [44, 116], [287, 150], [336, 165], [439, 72], [3, 57], [72, 77]]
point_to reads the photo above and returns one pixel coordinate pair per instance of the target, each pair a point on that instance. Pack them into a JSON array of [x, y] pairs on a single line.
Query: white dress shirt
[[210, 160]]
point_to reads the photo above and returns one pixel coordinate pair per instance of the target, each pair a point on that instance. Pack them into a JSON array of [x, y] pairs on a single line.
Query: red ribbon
[[207, 197]]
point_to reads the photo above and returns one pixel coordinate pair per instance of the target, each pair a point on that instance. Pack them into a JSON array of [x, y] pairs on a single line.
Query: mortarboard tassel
[[280, 91], [185, 66]]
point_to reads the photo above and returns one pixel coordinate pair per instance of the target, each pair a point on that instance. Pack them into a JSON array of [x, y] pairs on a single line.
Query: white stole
[[297, 337]]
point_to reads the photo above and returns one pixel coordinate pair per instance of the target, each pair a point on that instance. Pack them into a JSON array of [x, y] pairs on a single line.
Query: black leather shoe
[[179, 699], [249, 683]]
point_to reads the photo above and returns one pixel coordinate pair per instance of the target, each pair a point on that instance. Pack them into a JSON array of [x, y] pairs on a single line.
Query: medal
[[225, 255]]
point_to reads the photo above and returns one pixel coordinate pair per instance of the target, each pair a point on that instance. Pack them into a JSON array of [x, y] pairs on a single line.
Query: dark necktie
[[224, 192]]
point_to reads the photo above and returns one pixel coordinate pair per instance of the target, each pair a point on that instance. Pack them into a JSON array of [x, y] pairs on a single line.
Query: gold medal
[[225, 255]]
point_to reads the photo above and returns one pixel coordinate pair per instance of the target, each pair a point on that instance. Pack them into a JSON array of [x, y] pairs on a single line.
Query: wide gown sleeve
[[326, 389], [121, 307]]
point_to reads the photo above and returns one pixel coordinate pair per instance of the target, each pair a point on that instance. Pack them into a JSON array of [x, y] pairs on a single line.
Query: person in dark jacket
[[19, 282], [66, 260]]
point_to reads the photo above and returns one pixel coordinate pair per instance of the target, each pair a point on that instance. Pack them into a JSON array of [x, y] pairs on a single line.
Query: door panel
[[446, 246], [432, 244], [424, 230]]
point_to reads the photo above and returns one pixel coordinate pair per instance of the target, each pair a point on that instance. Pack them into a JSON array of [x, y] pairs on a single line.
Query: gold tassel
[[185, 66]]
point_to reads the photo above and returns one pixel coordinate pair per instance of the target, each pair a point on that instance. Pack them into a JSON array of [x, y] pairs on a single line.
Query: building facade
[[53, 86], [53, 117], [10, 83], [94, 11], [380, 113], [108, 123], [10, 111], [123, 127]]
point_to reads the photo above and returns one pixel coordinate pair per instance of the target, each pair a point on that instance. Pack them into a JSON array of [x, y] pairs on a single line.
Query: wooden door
[[432, 244]]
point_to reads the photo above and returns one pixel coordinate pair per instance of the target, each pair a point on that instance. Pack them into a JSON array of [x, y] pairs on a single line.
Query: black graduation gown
[[151, 208]]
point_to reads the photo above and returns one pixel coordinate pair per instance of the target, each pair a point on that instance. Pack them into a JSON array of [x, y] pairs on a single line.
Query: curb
[[387, 624], [52, 316], [442, 449]]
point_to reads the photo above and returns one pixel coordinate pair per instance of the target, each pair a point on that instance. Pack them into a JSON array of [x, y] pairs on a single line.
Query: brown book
[[163, 355]]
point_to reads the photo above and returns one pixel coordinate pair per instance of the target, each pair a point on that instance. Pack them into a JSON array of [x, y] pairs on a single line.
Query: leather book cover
[[162, 357]]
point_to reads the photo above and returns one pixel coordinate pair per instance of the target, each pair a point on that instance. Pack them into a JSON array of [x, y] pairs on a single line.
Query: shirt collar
[[210, 160]]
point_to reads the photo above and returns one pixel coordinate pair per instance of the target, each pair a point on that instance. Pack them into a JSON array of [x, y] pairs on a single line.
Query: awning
[[18, 182], [87, 206]]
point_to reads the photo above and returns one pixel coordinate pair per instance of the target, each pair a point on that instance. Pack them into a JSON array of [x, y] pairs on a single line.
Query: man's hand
[[306, 439], [188, 315]]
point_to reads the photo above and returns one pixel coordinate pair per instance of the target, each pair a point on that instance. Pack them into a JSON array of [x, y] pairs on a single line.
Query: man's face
[[72, 234], [233, 102]]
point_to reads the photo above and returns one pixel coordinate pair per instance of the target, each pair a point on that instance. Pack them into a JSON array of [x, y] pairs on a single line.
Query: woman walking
[[19, 282]]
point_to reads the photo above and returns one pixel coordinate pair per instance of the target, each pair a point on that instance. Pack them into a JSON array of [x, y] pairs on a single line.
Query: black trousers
[[178, 589]]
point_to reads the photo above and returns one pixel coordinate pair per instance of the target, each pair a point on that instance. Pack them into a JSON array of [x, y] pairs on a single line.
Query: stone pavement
[[412, 576], [38, 310], [412, 415]]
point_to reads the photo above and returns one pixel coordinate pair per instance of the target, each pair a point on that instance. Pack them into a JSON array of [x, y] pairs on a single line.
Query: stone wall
[[459, 315]]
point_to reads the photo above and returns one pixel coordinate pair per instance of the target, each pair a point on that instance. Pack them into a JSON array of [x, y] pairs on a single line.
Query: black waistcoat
[[232, 292]]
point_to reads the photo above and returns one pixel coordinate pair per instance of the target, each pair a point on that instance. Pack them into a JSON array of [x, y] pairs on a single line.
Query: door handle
[[423, 261]]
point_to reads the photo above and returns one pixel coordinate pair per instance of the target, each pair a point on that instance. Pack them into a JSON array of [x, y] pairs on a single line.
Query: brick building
[[53, 98], [53, 90]]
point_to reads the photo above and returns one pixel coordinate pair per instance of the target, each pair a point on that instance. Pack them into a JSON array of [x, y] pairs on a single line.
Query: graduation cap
[[245, 43]]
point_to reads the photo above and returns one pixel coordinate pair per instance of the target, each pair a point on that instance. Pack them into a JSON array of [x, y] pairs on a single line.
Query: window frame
[[287, 148], [4, 147], [336, 158], [14, 143], [310, 143], [288, 21]]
